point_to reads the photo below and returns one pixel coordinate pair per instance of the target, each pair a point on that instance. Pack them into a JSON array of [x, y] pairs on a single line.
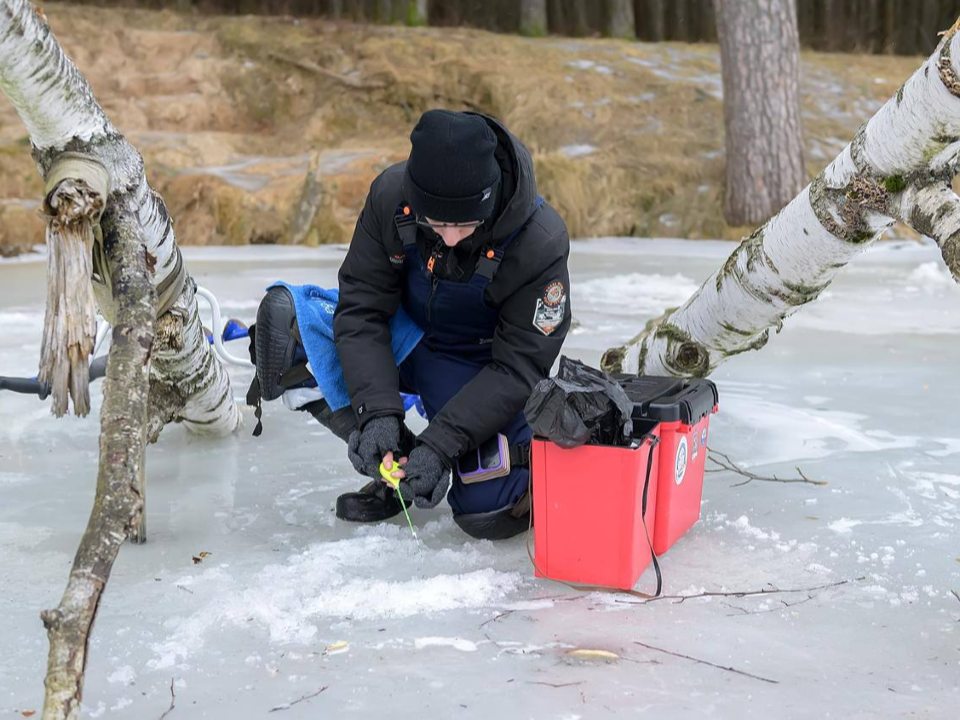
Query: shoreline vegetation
[[240, 119]]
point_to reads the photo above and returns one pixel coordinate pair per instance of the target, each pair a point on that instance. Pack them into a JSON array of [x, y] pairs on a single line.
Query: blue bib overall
[[458, 330]]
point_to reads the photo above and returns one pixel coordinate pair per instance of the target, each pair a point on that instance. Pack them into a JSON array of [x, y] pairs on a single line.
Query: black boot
[[374, 502]]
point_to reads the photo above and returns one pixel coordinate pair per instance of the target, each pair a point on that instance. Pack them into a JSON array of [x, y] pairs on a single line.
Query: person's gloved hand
[[426, 477], [366, 448]]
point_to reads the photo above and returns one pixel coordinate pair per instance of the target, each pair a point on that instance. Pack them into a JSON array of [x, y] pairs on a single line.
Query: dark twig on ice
[[555, 685], [954, 593], [785, 604], [706, 662], [736, 593], [725, 463], [173, 699], [287, 706], [496, 617]]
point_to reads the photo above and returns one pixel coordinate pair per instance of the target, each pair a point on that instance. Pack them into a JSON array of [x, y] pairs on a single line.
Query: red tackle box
[[587, 501]]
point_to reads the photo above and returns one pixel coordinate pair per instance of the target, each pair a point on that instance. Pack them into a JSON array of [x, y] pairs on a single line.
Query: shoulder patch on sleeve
[[550, 308]]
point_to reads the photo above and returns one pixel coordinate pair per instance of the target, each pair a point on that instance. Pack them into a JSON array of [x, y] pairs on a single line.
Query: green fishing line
[[395, 484]]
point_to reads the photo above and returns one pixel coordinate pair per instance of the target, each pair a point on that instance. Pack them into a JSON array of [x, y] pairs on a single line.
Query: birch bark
[[58, 108], [898, 167]]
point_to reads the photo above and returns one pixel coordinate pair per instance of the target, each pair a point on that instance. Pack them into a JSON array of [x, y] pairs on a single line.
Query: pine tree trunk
[[533, 17], [708, 23], [905, 40], [556, 18], [873, 26], [581, 23], [900, 166], [620, 19], [656, 19], [760, 54], [336, 9], [927, 22], [676, 20]]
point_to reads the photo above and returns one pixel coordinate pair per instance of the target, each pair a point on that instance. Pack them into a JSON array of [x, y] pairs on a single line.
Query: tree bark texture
[[760, 57], [117, 504], [533, 17], [620, 19], [899, 166], [580, 17], [654, 18], [58, 108]]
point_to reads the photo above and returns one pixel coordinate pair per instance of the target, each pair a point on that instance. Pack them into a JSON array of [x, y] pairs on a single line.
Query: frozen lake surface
[[859, 390]]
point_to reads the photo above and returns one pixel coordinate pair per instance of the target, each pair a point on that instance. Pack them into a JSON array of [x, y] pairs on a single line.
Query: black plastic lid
[[669, 399]]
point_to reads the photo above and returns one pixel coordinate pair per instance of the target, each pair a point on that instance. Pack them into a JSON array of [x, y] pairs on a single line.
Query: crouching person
[[458, 238]]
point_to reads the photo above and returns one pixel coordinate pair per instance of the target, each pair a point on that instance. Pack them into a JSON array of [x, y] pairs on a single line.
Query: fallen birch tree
[[110, 246], [87, 165], [899, 166]]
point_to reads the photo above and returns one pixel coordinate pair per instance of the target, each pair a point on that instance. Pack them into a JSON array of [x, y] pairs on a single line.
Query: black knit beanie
[[452, 174]]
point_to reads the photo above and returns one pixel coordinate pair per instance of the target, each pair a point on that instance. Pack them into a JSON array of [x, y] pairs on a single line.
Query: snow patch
[[844, 526], [456, 643], [743, 526], [575, 151], [635, 293], [932, 276], [123, 674], [366, 577]]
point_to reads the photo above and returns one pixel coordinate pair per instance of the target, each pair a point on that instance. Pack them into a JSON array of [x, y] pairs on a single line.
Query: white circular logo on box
[[680, 464]]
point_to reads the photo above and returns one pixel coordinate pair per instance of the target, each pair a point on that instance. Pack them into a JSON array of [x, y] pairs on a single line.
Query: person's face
[[452, 233]]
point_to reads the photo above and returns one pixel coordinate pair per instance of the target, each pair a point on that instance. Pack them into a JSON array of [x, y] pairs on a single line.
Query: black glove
[[427, 477], [366, 447]]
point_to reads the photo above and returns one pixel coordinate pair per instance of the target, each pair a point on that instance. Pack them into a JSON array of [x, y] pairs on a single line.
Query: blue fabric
[[315, 307]]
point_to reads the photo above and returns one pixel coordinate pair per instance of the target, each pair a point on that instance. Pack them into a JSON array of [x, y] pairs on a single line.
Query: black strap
[[490, 258], [520, 455], [654, 441], [255, 399], [406, 226]]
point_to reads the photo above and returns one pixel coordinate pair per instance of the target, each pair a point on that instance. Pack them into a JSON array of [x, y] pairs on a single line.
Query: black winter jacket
[[533, 270]]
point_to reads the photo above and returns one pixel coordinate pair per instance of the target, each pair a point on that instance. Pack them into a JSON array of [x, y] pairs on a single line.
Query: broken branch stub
[[77, 188]]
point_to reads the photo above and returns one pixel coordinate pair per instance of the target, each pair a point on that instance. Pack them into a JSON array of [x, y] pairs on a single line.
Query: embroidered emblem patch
[[553, 295], [547, 318]]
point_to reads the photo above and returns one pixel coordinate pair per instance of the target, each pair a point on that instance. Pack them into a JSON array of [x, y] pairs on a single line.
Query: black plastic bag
[[581, 405]]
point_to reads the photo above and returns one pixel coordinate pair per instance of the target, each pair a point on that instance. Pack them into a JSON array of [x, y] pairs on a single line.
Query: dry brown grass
[[196, 93]]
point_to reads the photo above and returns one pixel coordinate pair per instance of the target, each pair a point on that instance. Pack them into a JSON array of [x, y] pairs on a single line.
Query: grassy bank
[[228, 113]]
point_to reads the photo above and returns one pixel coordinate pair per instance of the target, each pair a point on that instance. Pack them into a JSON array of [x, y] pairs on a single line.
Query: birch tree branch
[[898, 167], [58, 108], [117, 504]]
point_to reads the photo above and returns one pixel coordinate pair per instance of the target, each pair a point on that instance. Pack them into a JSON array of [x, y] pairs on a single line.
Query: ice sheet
[[858, 390]]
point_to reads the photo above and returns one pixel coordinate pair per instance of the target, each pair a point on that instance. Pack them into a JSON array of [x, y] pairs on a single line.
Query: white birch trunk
[[58, 108], [898, 167]]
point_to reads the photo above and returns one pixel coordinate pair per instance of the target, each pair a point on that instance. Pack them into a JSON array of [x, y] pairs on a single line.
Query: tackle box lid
[[669, 399]]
